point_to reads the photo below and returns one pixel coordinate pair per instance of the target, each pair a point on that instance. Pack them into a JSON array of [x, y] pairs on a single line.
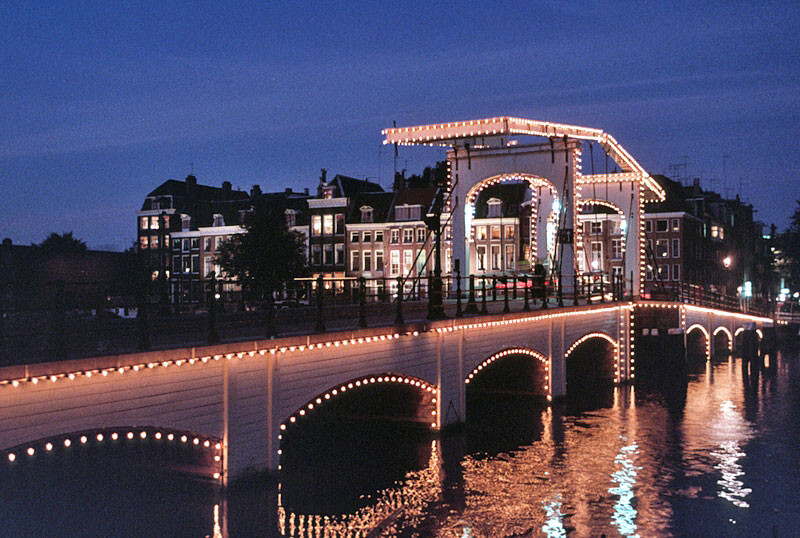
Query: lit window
[[394, 264], [153, 241], [662, 248], [327, 224], [496, 258], [291, 218], [316, 224], [480, 254], [616, 249], [480, 233], [509, 231], [154, 224], [367, 260], [408, 260], [143, 241], [144, 223], [394, 237], [596, 258], [509, 257], [495, 232], [408, 235], [420, 235], [676, 225]]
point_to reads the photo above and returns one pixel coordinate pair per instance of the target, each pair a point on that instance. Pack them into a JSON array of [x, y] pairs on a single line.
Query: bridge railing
[[75, 320], [699, 295]]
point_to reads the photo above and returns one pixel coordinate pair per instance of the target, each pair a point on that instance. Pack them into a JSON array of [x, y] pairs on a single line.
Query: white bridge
[[236, 400]]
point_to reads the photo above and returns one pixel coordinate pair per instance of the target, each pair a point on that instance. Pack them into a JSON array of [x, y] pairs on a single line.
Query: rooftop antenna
[[394, 124], [191, 167]]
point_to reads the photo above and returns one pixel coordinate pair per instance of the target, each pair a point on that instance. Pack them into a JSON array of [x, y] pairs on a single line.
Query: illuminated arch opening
[[698, 343], [592, 360], [512, 370], [722, 342], [383, 421], [535, 185]]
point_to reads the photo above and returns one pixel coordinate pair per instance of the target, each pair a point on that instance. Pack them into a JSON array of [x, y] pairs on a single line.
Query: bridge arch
[[544, 380], [209, 450], [722, 341], [591, 360], [698, 341], [535, 184], [429, 392]]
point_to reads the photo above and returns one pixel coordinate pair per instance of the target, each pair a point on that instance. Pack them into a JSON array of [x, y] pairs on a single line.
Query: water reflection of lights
[[732, 489], [554, 526], [624, 517], [407, 500]]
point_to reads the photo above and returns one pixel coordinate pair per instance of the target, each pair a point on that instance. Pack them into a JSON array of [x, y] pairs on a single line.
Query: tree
[[265, 256], [62, 243], [789, 246]]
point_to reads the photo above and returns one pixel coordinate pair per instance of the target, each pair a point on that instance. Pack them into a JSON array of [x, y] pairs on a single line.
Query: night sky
[[100, 104]]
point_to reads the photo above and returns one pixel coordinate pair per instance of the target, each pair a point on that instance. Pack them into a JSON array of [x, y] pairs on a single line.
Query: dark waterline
[[715, 457]]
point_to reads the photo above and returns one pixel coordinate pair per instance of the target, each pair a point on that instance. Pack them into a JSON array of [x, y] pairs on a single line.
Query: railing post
[[515, 280], [320, 328], [213, 335], [472, 307], [575, 290], [494, 289], [459, 313], [484, 310], [362, 302], [398, 317], [602, 287], [506, 309], [527, 306], [560, 290]]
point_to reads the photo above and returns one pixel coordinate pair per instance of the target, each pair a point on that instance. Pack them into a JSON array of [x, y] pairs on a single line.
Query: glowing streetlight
[[727, 261]]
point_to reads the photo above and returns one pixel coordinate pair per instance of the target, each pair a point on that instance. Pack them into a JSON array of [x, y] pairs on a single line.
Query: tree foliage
[[789, 246], [267, 255], [62, 243]]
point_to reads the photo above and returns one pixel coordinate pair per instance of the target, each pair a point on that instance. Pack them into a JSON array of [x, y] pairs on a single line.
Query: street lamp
[[727, 261]]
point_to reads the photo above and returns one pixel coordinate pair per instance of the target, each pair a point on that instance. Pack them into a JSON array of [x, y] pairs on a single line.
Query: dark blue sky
[[99, 104]]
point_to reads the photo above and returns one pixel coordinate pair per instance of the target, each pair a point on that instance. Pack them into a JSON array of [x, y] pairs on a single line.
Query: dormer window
[[366, 213], [407, 212], [186, 222], [219, 220], [327, 193], [291, 217], [495, 206]]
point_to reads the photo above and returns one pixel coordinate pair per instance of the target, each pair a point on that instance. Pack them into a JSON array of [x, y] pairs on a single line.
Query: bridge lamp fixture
[[727, 261]]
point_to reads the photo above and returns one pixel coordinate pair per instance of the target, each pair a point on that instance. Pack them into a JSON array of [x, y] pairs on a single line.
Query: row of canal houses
[[353, 228]]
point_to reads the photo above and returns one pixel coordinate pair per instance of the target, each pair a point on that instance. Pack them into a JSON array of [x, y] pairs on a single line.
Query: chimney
[[226, 188], [696, 182], [323, 176], [255, 191], [191, 185], [288, 190], [305, 191]]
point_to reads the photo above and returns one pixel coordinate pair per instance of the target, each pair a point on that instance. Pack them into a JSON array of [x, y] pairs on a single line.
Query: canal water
[[717, 456]]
